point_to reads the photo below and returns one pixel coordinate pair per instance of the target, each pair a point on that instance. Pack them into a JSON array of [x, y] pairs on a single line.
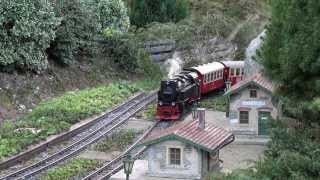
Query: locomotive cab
[[174, 94]]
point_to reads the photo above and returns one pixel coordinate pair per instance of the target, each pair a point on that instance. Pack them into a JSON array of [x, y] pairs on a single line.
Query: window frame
[[231, 72], [169, 156], [253, 90], [241, 115], [238, 71]]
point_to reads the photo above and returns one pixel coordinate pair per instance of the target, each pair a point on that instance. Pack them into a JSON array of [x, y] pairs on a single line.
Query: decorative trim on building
[[244, 109], [269, 109]]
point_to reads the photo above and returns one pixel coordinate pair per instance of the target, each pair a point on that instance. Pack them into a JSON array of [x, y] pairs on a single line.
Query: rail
[[114, 120]]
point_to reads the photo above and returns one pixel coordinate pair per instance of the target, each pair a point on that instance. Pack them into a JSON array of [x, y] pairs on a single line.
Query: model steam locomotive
[[188, 86]]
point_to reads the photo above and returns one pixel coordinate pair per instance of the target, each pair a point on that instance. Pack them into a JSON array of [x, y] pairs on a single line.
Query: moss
[[5, 100]]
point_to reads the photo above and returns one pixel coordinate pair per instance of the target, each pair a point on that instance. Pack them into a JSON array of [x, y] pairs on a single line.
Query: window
[[242, 71], [231, 72], [253, 93], [244, 117], [215, 75], [175, 156], [238, 72], [211, 76]]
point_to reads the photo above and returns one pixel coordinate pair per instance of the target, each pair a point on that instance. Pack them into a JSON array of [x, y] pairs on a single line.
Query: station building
[[252, 105]]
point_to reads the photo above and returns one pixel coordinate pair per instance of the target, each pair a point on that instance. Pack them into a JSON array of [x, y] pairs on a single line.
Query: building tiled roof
[[258, 79], [210, 139]]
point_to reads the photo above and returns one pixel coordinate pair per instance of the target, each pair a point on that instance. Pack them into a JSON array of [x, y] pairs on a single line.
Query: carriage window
[[231, 72], [242, 71], [220, 74], [238, 72], [211, 76]]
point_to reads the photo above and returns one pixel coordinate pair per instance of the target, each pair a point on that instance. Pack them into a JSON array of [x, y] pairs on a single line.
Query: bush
[[128, 54], [110, 14], [144, 12], [27, 29], [75, 34]]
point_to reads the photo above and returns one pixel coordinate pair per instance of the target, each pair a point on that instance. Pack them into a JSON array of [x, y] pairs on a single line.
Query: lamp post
[[128, 165], [228, 86]]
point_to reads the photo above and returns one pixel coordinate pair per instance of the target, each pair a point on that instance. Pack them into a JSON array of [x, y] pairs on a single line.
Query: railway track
[[114, 166], [105, 126]]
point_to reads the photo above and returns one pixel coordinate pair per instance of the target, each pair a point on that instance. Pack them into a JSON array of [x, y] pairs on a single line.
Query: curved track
[[116, 164], [105, 126]]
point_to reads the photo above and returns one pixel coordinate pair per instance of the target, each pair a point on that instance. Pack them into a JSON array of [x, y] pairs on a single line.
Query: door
[[264, 118]]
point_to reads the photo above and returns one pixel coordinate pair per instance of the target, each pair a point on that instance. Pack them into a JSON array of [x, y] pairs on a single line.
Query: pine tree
[[291, 54], [144, 12]]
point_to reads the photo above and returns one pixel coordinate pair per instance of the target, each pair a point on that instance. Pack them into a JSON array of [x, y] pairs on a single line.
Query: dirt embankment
[[19, 93]]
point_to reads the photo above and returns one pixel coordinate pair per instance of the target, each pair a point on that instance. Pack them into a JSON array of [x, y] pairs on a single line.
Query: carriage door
[[263, 118]]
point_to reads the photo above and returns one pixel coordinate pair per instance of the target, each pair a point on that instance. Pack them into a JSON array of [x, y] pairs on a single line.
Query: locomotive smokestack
[[201, 115]]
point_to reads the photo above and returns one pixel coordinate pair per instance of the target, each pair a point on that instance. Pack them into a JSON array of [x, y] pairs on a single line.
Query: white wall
[[158, 165], [242, 100]]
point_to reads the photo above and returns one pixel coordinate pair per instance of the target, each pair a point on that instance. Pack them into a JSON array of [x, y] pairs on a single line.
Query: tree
[[76, 32], [144, 12], [27, 27], [291, 54], [110, 14]]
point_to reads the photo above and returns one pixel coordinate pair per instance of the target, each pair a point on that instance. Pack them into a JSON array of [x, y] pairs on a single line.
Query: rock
[[21, 107]]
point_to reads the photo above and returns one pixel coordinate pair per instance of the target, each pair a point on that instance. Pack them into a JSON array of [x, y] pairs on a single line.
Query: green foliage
[[118, 141], [129, 55], [144, 12], [76, 32], [218, 103], [291, 154], [70, 169], [291, 53], [110, 14], [58, 114], [27, 27]]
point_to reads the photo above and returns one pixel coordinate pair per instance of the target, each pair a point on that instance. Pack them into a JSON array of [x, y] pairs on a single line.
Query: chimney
[[201, 115]]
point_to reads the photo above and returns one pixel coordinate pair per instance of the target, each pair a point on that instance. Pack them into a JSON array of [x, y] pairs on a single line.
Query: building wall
[[159, 167], [242, 101]]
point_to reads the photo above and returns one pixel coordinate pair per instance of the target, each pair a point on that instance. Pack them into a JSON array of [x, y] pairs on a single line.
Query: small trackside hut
[[252, 105], [187, 150]]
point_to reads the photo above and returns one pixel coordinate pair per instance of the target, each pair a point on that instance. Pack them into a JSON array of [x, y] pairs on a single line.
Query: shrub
[[128, 54], [27, 27], [75, 34], [144, 12], [110, 14]]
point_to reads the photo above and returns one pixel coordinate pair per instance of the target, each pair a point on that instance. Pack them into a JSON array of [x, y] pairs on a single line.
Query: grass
[[217, 103], [58, 114], [118, 141], [72, 168]]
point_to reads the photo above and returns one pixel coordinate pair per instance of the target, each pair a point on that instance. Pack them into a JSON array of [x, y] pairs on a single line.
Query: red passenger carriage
[[188, 86]]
